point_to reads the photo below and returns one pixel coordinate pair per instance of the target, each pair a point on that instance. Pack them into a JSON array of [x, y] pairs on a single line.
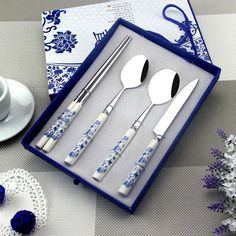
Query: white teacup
[[5, 98]]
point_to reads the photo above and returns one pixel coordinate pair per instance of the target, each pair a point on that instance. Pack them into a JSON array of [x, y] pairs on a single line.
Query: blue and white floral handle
[[59, 127], [103, 169], [139, 167], [86, 139], [48, 134]]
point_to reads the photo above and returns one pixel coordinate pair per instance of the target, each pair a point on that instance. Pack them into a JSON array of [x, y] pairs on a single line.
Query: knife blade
[[159, 130], [174, 108]]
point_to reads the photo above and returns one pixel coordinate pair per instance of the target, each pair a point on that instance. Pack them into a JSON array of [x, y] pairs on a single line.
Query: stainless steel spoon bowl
[[163, 86]]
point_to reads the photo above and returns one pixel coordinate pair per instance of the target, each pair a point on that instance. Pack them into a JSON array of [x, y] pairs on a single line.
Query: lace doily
[[22, 189]]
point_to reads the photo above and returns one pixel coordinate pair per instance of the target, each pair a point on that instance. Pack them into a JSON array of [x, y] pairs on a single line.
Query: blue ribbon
[[185, 27]]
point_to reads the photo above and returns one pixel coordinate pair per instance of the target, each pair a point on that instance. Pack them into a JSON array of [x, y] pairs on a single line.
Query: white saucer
[[21, 110]]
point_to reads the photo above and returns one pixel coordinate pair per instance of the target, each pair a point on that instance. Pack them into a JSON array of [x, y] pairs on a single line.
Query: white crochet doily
[[23, 192]]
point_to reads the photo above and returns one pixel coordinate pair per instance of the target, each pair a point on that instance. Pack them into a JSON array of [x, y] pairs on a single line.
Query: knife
[[160, 129]]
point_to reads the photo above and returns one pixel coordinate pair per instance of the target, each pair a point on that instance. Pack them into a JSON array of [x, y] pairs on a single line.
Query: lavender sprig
[[211, 181], [221, 133], [215, 152], [217, 166], [221, 229], [223, 177], [219, 206]]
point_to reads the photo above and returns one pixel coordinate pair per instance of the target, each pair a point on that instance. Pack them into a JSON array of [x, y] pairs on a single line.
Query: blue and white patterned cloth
[[70, 34]]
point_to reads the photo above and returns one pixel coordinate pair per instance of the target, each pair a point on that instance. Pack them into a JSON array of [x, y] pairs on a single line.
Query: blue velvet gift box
[[161, 54]]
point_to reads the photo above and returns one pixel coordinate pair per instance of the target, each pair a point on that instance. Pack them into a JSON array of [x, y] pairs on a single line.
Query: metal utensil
[[162, 88], [53, 134], [159, 131], [132, 75]]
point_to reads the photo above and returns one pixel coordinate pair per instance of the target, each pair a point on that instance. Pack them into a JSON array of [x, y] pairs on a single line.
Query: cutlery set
[[163, 87]]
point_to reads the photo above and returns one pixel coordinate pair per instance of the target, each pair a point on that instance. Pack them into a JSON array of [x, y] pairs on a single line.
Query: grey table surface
[[176, 203]]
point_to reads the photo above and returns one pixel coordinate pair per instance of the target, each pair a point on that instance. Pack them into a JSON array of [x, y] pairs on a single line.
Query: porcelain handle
[[85, 140], [139, 167], [103, 169], [65, 121], [48, 134]]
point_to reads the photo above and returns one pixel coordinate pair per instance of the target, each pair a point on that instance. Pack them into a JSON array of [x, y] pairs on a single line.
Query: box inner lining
[[129, 107]]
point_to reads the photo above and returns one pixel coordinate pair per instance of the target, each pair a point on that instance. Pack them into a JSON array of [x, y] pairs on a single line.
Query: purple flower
[[223, 176], [215, 152], [218, 165], [211, 181], [221, 229], [219, 206], [64, 41], [221, 133]]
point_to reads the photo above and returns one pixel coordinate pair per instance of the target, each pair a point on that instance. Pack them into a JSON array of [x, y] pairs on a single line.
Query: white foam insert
[[129, 107]]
